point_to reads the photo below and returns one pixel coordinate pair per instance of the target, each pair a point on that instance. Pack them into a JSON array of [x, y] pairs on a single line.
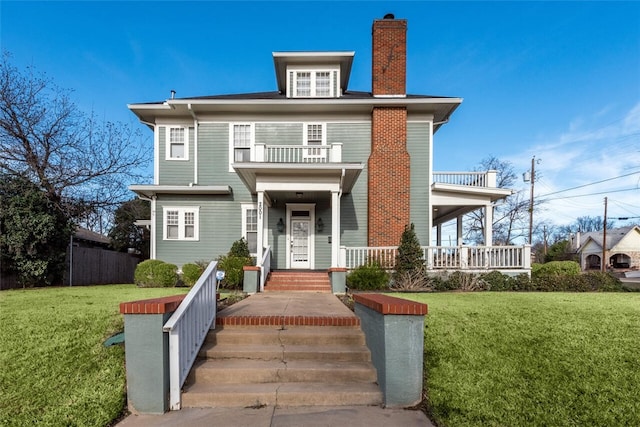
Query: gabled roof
[[614, 236]]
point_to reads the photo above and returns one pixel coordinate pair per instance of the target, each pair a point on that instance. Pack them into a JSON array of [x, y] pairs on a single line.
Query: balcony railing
[[471, 179], [299, 153], [445, 257]]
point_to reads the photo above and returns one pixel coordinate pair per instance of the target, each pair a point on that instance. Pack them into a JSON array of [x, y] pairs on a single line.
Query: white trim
[[182, 210], [334, 80], [252, 142], [152, 231], [156, 155], [244, 207], [167, 147], [311, 208]]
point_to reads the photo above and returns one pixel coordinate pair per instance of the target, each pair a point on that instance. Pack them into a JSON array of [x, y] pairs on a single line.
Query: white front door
[[300, 243], [300, 235]]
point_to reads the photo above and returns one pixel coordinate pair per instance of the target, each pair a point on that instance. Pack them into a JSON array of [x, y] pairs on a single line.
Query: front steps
[[298, 281], [291, 366]]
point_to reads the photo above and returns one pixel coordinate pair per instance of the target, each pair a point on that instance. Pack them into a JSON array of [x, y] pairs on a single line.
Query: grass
[[54, 369], [540, 359]]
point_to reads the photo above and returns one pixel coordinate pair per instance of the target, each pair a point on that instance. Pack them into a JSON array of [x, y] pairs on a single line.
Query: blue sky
[[558, 80]]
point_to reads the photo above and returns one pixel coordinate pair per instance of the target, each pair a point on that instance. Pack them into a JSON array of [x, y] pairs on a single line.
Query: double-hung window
[[181, 223], [313, 83], [240, 142], [250, 227], [315, 139], [177, 143]]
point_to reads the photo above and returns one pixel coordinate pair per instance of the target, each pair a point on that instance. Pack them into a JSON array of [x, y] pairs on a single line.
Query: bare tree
[[81, 163], [510, 218]]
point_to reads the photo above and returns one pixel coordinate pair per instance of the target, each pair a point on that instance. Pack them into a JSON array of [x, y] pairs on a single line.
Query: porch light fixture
[[280, 225], [319, 225], [299, 195]]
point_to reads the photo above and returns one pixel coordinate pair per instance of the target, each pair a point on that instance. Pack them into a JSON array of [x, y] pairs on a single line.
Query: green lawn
[[54, 369], [543, 359]]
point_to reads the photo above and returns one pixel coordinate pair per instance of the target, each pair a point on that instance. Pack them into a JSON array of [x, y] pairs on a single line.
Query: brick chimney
[[389, 162], [389, 57]]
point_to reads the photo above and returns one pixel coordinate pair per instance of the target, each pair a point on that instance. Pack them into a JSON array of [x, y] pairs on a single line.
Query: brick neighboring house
[[314, 175], [622, 248]]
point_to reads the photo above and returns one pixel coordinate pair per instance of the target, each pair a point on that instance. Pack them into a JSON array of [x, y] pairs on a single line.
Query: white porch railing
[[445, 257], [299, 153], [265, 267], [470, 179], [187, 328]]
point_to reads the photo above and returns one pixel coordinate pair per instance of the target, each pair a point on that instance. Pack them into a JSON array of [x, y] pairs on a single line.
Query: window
[[177, 146], [241, 141], [307, 83], [181, 223], [315, 136], [250, 227]]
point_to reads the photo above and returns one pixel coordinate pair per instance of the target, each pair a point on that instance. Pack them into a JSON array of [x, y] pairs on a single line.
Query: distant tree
[[33, 234], [81, 163], [125, 234], [559, 251], [510, 218]]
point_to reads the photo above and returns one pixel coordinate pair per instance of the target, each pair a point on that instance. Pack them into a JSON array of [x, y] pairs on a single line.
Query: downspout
[[195, 144]]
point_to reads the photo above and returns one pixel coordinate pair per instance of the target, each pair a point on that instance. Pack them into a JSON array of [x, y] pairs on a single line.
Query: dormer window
[[309, 82]]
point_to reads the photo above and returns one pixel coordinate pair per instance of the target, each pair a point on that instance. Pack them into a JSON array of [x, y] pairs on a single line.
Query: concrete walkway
[[312, 416], [286, 308]]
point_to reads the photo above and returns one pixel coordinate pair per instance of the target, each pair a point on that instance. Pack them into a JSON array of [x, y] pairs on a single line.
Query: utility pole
[[533, 180], [604, 238]]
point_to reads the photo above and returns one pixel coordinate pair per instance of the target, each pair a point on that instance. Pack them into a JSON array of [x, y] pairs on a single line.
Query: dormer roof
[[342, 58]]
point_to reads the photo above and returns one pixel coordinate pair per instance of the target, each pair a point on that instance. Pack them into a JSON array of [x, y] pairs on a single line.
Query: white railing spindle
[[187, 328]]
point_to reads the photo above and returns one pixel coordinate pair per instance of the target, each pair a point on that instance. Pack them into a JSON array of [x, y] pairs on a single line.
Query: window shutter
[[291, 85], [335, 84]]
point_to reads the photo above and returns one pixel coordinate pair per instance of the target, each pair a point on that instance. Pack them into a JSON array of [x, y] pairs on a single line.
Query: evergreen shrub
[[370, 276], [154, 273], [191, 272]]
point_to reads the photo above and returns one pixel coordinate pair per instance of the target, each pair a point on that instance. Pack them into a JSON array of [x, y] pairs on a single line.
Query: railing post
[[336, 152], [260, 150], [526, 256], [492, 178], [343, 257]]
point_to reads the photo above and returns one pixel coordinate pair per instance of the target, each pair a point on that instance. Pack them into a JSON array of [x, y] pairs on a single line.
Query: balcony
[[331, 153], [469, 179]]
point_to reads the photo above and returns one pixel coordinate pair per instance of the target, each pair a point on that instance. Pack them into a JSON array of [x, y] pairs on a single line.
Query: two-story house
[[314, 175]]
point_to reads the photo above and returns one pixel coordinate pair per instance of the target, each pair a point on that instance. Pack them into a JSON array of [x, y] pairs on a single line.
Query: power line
[[591, 194], [586, 185]]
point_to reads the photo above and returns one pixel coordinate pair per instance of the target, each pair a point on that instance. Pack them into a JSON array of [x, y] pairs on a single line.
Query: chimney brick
[[389, 57]]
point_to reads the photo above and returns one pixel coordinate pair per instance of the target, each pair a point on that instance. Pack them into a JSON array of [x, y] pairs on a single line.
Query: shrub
[[154, 273], [191, 273], [233, 270], [409, 252], [570, 268], [413, 280], [370, 276], [496, 281], [240, 248]]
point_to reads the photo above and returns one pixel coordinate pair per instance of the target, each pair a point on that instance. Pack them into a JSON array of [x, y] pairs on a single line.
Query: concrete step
[[297, 335], [282, 394], [244, 371], [343, 353]]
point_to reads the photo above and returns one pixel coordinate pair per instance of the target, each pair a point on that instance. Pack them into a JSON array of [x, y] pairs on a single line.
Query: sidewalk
[[311, 416]]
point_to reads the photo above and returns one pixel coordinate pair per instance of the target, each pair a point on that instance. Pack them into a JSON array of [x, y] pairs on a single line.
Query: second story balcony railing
[[469, 179], [331, 153]]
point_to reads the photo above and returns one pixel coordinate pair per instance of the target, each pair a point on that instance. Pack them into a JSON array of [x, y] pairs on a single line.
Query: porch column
[[439, 235], [459, 230], [488, 225], [259, 238], [335, 229]]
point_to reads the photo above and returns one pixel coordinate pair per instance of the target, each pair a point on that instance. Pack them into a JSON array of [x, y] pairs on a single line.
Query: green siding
[[356, 140], [418, 145], [279, 133], [175, 172]]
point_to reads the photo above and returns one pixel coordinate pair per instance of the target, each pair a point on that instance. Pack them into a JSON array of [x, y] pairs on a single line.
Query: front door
[[300, 235], [300, 249]]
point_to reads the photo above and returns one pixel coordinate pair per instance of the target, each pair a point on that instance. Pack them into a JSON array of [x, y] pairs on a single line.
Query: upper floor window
[[315, 135], [181, 223], [241, 139], [177, 144], [310, 83]]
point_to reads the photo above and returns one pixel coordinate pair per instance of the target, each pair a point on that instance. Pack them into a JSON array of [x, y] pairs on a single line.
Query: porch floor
[[288, 309]]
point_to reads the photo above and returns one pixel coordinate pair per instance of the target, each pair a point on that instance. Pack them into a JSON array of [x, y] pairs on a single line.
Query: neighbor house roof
[[614, 236]]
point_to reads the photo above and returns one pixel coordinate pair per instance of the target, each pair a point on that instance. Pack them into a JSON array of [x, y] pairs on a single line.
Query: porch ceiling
[[300, 176], [450, 201], [149, 191]]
